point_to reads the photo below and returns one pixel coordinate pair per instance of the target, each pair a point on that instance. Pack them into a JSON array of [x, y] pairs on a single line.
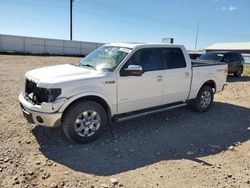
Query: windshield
[[105, 58], [212, 56]]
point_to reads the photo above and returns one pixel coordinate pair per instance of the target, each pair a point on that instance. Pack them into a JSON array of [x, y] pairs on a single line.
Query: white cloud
[[229, 8], [225, 5]]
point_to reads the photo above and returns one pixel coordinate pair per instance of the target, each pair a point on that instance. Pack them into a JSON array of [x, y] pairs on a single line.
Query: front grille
[[35, 94]]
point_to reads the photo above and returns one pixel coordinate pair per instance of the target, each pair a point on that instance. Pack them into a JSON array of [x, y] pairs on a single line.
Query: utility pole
[[197, 35], [71, 7]]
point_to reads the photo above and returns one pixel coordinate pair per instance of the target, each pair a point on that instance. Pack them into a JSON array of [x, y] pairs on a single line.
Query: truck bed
[[200, 63], [201, 70]]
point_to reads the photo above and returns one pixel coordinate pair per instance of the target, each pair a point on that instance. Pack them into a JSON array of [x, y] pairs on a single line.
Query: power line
[[33, 4], [119, 11], [160, 21], [120, 20]]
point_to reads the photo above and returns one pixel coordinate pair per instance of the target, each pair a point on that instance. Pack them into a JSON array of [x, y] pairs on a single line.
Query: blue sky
[[130, 21]]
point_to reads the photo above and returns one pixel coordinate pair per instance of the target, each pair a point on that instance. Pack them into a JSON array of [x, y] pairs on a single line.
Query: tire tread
[[69, 116]]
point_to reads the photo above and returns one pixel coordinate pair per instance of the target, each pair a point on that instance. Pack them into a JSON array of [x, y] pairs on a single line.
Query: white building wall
[[12, 43], [33, 45], [54, 47]]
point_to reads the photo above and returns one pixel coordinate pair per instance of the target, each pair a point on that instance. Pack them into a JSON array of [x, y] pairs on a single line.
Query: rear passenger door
[[177, 75]]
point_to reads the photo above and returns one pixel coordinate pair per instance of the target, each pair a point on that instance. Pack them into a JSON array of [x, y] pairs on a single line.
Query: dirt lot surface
[[179, 148]]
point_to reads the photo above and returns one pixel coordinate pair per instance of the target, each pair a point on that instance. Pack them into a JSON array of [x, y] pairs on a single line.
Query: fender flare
[[203, 82], [82, 95]]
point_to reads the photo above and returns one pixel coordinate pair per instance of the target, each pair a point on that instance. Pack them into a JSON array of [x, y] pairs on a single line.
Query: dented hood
[[61, 73]]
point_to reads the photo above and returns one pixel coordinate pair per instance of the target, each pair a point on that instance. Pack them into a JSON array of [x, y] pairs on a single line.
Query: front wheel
[[204, 99], [84, 121]]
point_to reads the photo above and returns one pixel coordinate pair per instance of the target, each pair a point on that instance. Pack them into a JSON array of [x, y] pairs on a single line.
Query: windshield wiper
[[87, 65]]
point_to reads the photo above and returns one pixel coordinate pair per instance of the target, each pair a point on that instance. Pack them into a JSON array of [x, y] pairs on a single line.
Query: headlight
[[53, 94]]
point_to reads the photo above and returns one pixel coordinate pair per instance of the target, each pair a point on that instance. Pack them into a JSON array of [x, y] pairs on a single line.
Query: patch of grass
[[246, 70]]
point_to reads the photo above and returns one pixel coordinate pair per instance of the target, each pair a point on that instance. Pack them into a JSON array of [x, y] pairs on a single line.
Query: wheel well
[[96, 99], [211, 84]]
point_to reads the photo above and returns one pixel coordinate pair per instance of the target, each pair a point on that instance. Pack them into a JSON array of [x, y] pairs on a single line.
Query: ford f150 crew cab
[[115, 83]]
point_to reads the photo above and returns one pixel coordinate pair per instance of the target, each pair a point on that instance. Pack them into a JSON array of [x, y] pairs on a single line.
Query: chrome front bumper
[[40, 118]]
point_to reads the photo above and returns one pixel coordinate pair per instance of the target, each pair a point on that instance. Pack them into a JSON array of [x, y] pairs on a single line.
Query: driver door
[[146, 90]]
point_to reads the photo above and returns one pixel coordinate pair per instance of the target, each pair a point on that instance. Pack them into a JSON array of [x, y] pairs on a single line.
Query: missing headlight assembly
[[38, 95]]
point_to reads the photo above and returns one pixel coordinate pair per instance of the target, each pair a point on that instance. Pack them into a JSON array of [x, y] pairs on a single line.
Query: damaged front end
[[41, 105], [38, 95]]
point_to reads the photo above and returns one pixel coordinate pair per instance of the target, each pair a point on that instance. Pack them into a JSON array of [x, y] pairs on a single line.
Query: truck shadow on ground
[[231, 78], [172, 135]]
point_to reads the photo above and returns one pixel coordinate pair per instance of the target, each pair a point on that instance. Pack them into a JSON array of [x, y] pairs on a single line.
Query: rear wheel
[[204, 99], [84, 121], [239, 72]]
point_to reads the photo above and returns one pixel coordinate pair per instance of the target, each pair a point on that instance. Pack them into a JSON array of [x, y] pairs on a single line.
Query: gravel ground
[[179, 148]]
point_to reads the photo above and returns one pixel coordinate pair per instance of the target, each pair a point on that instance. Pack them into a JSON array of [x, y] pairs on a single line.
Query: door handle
[[160, 78], [186, 74]]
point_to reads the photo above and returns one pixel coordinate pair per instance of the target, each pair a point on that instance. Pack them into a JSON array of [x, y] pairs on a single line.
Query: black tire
[[239, 72], [198, 103], [72, 114]]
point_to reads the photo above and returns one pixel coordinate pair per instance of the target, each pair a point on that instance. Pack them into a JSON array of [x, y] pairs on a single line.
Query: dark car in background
[[234, 60], [195, 55]]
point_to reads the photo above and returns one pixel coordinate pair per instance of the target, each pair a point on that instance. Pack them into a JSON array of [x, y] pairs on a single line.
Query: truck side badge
[[109, 82]]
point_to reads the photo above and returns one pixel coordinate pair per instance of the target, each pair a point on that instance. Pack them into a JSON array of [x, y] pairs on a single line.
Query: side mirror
[[133, 70]]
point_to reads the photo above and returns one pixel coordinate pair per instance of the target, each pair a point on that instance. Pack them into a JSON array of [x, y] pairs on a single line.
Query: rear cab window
[[173, 58]]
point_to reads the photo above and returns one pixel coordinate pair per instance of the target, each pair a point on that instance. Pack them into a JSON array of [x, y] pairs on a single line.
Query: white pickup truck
[[118, 82]]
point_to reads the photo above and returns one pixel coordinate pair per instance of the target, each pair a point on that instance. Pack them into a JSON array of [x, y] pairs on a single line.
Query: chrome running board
[[125, 117]]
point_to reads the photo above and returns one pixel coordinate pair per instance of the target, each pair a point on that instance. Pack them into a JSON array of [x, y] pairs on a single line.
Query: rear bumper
[[39, 118]]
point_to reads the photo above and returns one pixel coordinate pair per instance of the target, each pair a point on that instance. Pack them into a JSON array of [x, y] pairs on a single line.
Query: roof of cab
[[135, 45]]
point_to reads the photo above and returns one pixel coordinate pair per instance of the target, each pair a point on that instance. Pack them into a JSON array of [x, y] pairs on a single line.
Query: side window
[[148, 58], [236, 57], [230, 58], [173, 58], [226, 58], [240, 57]]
